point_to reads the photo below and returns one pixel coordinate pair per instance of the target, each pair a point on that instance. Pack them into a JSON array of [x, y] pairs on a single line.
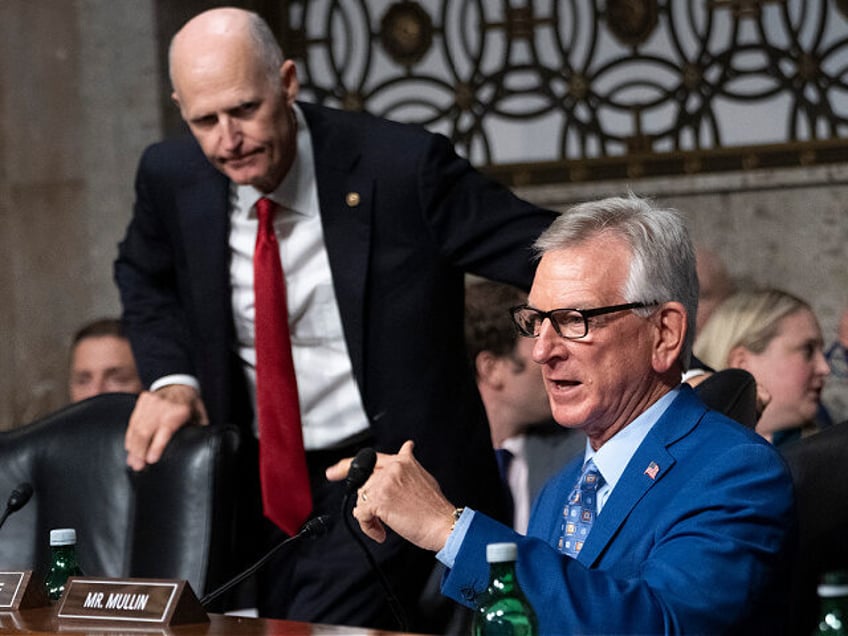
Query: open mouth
[[562, 385]]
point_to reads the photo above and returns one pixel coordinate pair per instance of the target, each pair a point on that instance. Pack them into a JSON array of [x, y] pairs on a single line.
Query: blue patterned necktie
[[580, 510]]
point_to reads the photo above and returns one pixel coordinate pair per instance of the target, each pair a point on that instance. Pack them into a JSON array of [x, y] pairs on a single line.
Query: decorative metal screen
[[574, 90]]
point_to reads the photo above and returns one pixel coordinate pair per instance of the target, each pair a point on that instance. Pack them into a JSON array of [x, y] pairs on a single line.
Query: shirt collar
[[612, 458], [515, 445]]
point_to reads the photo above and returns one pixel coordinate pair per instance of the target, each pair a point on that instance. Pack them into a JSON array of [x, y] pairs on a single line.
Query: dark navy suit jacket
[[700, 547], [398, 259]]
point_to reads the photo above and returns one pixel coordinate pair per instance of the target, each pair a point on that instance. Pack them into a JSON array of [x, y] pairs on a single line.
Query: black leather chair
[[819, 467], [732, 392], [172, 520]]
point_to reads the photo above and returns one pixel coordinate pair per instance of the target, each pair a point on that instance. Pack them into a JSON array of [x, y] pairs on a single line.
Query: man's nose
[[822, 365], [230, 133], [547, 342]]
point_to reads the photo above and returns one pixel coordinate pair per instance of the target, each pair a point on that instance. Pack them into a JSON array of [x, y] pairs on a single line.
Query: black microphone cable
[[360, 470], [315, 527], [17, 500]]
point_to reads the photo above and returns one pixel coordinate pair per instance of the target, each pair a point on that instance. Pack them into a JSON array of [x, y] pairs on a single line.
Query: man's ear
[[289, 83], [489, 369], [670, 334], [175, 98]]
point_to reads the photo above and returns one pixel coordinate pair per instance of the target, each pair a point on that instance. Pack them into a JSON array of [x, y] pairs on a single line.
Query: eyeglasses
[[568, 323]]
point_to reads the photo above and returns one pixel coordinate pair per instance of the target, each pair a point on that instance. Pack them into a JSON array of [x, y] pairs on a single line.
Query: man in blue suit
[[690, 527], [377, 223]]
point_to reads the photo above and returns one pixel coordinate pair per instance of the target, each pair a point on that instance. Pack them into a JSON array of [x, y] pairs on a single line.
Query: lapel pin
[[352, 199], [652, 470]]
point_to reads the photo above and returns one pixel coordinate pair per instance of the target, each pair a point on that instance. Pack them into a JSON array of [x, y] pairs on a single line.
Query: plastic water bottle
[[63, 561], [833, 604], [504, 610]]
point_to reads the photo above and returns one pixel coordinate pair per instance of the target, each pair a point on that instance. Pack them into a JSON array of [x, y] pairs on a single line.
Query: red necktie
[[286, 496]]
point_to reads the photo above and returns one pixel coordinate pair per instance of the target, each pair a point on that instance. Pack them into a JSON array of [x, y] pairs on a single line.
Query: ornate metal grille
[[574, 90]]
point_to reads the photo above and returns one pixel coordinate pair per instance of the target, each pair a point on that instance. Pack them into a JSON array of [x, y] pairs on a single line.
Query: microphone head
[[19, 497], [316, 527], [360, 469]]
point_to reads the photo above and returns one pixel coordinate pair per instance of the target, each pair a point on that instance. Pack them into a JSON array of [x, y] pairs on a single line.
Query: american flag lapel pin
[[652, 470]]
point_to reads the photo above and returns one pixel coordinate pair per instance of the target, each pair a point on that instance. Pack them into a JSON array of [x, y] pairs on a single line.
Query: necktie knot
[[265, 209], [591, 478]]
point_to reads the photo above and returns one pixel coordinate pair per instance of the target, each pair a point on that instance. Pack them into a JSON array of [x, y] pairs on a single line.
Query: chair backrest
[[172, 520], [732, 392], [819, 467]]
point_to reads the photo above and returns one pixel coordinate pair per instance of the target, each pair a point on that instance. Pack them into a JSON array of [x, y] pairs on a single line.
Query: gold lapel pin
[[352, 199]]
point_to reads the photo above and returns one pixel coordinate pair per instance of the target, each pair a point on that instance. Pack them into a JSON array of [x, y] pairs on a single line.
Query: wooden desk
[[43, 621]]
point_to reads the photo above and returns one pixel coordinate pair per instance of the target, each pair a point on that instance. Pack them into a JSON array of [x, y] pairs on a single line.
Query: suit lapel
[[346, 199], [646, 469]]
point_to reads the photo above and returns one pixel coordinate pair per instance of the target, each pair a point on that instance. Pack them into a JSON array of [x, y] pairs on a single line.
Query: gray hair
[[267, 48], [662, 268]]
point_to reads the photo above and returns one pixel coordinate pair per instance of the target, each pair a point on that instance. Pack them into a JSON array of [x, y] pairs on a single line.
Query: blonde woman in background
[[776, 337]]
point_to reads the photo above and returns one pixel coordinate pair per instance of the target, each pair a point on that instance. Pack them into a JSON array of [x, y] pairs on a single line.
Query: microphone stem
[[248, 572], [313, 528], [394, 604]]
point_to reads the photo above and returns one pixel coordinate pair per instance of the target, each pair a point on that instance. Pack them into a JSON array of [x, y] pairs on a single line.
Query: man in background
[[529, 445], [101, 361], [714, 282]]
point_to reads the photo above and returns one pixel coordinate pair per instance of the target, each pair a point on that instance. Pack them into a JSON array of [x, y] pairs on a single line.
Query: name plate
[[19, 590], [141, 601]]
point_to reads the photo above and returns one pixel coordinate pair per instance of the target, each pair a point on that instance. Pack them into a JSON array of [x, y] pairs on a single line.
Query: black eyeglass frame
[[584, 313]]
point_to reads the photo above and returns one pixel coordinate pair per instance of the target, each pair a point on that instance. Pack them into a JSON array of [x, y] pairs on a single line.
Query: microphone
[[314, 528], [18, 498], [360, 470]]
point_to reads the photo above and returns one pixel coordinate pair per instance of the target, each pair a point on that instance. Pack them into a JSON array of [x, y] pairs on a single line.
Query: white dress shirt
[[516, 478], [330, 403]]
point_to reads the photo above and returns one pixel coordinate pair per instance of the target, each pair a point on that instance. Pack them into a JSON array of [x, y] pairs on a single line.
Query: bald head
[[236, 93], [225, 31]]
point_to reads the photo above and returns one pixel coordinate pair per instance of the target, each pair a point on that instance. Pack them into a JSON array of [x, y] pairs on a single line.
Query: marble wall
[[78, 102]]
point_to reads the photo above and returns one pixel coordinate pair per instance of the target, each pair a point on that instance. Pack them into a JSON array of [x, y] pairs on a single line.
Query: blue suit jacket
[[398, 260], [701, 547]]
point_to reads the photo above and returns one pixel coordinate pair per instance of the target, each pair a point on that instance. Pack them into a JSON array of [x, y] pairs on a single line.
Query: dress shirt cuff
[[176, 378], [447, 555]]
